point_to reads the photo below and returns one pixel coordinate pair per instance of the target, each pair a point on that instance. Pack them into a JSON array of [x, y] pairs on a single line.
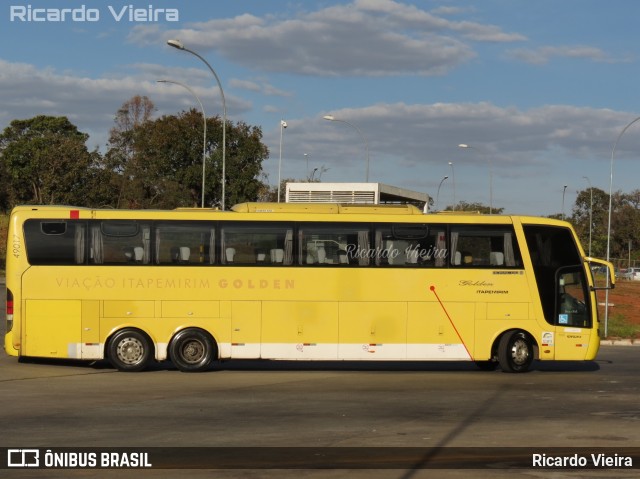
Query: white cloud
[[363, 38], [420, 135], [543, 55], [258, 86], [92, 103]]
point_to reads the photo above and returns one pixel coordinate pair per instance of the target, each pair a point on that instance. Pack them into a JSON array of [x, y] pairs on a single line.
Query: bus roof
[[326, 208], [250, 209]]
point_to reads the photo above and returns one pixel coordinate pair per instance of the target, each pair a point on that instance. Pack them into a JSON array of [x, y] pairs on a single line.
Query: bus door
[[572, 314]]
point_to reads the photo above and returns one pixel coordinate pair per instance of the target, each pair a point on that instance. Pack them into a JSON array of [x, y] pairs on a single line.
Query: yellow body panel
[[52, 327]]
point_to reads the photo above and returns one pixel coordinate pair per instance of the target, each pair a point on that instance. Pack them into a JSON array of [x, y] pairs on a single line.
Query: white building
[[361, 193]]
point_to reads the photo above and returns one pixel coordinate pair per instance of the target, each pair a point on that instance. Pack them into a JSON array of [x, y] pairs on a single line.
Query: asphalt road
[[286, 405]]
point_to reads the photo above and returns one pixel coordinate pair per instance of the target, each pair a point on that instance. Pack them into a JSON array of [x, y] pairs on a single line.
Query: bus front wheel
[[515, 352], [192, 350], [129, 350]]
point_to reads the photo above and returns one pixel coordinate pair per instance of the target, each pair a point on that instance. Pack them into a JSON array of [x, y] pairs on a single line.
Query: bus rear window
[[51, 242]]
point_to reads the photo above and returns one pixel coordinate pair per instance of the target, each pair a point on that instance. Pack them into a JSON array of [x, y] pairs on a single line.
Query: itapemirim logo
[[127, 13]]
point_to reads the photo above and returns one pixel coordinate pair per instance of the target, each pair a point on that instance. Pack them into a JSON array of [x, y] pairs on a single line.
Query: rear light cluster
[[9, 311]]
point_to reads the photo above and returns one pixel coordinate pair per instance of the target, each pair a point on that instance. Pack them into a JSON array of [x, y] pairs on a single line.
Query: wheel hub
[[130, 351], [193, 351]]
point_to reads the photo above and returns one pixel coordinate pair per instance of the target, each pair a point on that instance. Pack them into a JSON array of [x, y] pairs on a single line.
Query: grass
[[619, 327], [624, 310]]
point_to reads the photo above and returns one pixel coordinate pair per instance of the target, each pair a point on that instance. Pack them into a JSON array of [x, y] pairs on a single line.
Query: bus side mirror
[[603, 274]]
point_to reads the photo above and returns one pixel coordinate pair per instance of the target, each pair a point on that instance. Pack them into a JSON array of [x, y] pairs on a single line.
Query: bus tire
[[192, 350], [130, 350], [515, 352]]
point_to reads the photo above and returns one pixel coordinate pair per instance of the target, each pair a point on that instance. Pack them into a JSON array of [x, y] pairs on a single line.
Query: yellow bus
[[296, 282]]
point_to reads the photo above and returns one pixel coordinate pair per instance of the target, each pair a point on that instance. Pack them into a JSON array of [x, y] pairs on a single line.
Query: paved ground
[[585, 405]]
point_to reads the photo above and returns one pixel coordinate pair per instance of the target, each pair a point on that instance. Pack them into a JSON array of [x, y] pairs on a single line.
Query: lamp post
[[204, 118], [606, 293], [306, 157], [465, 146], [178, 44], [364, 139], [453, 180], [283, 125], [438, 193], [590, 210], [564, 189]]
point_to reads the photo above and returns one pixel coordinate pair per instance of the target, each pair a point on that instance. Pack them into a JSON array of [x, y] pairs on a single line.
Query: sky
[[539, 90]]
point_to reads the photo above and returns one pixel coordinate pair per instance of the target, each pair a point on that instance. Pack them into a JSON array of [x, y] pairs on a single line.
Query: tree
[[121, 157], [159, 162], [475, 207], [583, 211], [5, 185], [245, 154], [169, 161], [47, 161], [625, 221]]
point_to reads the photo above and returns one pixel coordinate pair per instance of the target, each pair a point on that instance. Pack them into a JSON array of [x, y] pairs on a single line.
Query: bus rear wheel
[[515, 352], [129, 350], [192, 350]]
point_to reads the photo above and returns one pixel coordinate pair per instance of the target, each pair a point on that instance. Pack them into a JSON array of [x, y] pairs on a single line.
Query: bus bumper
[[8, 345]]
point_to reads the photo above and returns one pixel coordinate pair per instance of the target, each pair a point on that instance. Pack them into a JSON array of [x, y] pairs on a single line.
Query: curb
[[619, 342]]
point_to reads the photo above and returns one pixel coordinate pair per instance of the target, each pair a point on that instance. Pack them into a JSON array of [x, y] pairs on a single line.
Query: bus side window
[[257, 243], [572, 299], [478, 246], [185, 243], [342, 244], [409, 246], [120, 242]]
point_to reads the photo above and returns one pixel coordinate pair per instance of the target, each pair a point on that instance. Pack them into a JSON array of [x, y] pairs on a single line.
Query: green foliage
[[159, 163], [4, 227], [150, 163], [625, 221], [475, 207], [619, 327], [45, 160]]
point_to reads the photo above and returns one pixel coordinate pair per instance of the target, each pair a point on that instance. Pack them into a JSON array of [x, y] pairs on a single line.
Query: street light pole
[[438, 193], [283, 125], [453, 180], [364, 139], [606, 293], [204, 118], [465, 146], [178, 44], [563, 192]]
